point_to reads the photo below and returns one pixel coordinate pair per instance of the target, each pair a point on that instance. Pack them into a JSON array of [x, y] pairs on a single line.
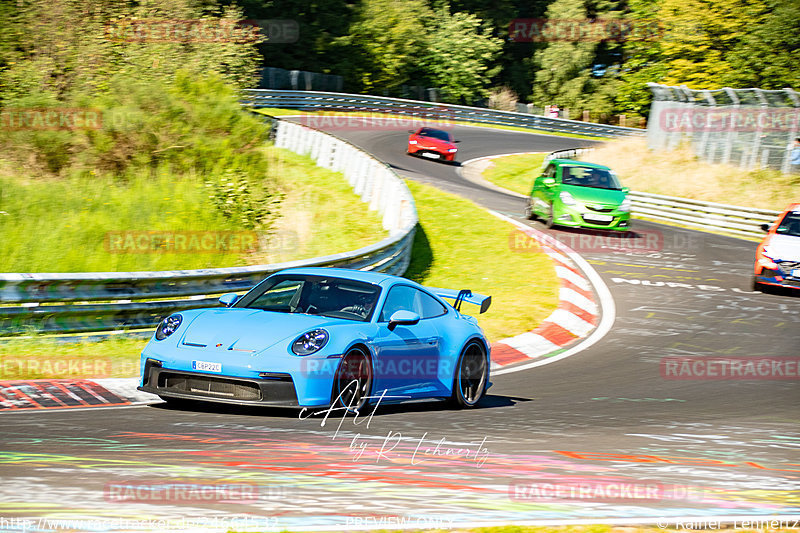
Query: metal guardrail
[[101, 301], [312, 100], [709, 216]]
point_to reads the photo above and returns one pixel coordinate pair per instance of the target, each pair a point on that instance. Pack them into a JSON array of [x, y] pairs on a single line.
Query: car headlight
[[566, 198], [310, 342], [452, 150], [625, 205], [168, 326], [412, 142]]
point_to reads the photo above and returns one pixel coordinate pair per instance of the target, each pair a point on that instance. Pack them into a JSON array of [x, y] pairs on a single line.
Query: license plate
[[431, 155], [599, 218], [205, 366]]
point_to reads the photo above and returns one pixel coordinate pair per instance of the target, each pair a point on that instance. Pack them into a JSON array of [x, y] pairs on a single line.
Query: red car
[[778, 255], [432, 143]]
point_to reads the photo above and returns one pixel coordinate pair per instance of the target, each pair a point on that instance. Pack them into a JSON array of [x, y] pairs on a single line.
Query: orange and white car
[[778, 255]]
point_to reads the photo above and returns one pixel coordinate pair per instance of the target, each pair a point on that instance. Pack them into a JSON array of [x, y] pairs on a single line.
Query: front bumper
[[282, 382], [277, 391], [585, 218], [431, 152], [777, 278]]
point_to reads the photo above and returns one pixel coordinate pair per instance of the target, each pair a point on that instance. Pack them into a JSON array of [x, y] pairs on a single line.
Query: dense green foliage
[[381, 45]]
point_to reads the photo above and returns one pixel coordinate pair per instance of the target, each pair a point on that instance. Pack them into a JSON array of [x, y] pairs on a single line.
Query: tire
[[471, 377], [353, 381], [756, 286], [549, 222]]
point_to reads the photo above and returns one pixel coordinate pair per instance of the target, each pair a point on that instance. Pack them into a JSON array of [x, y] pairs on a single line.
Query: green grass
[[70, 224], [277, 112], [459, 245], [45, 357], [674, 173], [515, 172]]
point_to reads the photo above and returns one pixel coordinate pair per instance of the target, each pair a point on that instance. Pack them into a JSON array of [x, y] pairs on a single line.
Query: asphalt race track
[[614, 433]]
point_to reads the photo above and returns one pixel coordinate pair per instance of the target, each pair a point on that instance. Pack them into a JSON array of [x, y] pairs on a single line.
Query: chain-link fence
[[749, 128]]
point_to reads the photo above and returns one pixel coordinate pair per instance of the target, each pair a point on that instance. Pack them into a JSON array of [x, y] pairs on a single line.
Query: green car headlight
[[625, 205], [567, 199]]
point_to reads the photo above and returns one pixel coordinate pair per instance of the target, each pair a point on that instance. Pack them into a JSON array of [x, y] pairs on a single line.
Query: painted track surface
[[604, 421]]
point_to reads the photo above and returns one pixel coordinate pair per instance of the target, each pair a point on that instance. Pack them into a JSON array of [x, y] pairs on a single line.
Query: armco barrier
[[99, 301], [709, 216], [312, 100]]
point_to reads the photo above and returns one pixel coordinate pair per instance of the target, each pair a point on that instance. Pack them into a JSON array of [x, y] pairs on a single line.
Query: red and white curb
[[37, 394], [585, 311]]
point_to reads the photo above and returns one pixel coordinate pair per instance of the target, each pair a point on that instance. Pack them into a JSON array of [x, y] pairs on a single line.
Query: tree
[[768, 55], [458, 55], [385, 42], [581, 73]]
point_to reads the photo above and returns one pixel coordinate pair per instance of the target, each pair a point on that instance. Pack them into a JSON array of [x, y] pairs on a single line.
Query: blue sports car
[[323, 337]]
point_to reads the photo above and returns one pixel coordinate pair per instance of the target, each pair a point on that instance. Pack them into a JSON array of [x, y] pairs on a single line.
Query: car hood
[[783, 247], [249, 329], [594, 195]]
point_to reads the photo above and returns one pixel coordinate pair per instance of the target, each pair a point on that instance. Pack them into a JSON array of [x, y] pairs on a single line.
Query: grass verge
[[69, 225], [676, 173], [457, 245], [461, 246], [681, 173], [515, 172]]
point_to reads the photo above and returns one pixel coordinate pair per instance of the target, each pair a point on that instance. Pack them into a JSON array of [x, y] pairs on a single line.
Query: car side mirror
[[764, 227], [410, 131], [549, 182], [457, 141], [403, 318], [228, 299]]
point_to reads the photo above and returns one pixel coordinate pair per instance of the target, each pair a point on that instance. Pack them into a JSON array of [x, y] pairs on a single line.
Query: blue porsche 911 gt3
[[323, 337]]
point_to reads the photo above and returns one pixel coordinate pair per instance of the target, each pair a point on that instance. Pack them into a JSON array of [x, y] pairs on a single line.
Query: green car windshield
[[597, 178]]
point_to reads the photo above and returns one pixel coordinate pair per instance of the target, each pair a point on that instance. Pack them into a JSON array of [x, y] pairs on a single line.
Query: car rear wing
[[463, 295]]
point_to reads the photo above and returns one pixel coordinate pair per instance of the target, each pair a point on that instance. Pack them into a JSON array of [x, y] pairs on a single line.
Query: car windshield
[[597, 178], [313, 295], [436, 134], [790, 225]]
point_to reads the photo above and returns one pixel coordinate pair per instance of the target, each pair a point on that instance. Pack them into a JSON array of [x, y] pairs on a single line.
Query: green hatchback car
[[579, 194]]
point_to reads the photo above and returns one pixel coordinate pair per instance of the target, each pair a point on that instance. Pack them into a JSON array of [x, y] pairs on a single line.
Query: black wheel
[[549, 222], [353, 382], [472, 375], [756, 286]]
